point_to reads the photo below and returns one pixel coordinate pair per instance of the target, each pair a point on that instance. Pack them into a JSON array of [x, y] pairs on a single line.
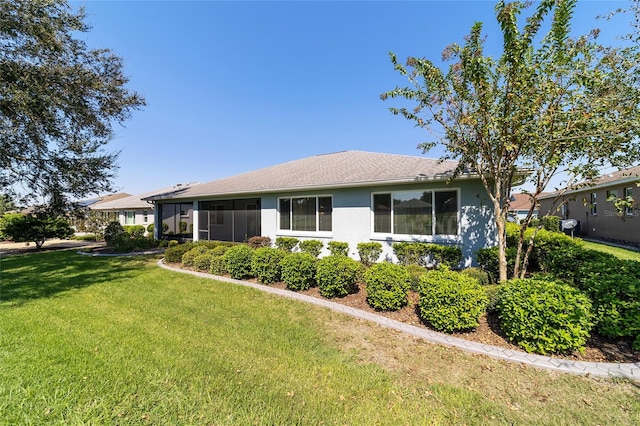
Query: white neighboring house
[[133, 210]]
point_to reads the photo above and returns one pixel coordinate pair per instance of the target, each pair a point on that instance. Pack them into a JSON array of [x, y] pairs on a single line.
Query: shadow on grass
[[44, 275]]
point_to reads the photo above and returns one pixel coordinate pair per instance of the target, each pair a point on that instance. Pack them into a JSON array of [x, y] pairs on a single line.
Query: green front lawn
[[619, 252], [121, 341]]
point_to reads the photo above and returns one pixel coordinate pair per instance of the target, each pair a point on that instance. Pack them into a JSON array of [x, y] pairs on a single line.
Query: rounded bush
[[202, 262], [338, 248], [299, 271], [237, 261], [217, 265], [313, 247], [478, 274], [337, 276], [150, 228], [286, 243], [189, 256], [113, 233], [174, 253], [265, 264], [544, 316], [257, 242], [451, 301], [369, 252], [387, 286]]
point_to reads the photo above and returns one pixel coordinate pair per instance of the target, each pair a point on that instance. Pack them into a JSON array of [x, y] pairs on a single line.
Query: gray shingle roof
[[340, 169], [625, 176], [138, 201]]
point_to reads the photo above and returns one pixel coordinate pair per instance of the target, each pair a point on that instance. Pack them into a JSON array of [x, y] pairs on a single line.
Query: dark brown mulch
[[598, 349]]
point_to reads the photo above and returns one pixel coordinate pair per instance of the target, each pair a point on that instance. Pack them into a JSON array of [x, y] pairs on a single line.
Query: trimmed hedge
[[415, 272], [478, 274], [313, 247], [451, 301], [237, 261], [544, 316], [488, 261], [265, 264], [338, 248], [189, 256], [299, 271], [286, 243], [337, 275], [257, 242], [387, 286], [369, 252], [427, 255]]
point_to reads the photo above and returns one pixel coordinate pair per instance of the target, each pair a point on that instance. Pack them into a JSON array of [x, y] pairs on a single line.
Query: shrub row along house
[[350, 196]]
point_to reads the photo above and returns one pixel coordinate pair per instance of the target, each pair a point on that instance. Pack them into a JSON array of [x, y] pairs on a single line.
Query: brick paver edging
[[630, 371]]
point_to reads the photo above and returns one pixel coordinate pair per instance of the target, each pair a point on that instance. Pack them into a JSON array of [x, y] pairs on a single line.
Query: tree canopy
[[549, 105], [59, 101]]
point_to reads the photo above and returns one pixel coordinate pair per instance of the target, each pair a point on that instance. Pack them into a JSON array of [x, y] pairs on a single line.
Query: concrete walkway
[[630, 371]]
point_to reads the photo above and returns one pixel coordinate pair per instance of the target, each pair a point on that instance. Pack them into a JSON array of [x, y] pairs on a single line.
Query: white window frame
[[133, 218], [628, 192], [594, 203], [317, 232], [433, 236]]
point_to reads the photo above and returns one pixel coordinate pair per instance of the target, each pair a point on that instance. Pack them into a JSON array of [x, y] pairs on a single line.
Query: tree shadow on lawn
[[44, 275]]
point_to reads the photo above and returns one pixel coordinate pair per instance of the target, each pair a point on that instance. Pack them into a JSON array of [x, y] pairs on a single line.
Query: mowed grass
[[121, 341], [619, 252]]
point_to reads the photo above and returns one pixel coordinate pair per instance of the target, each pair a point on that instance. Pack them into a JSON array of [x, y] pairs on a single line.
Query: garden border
[[626, 370]]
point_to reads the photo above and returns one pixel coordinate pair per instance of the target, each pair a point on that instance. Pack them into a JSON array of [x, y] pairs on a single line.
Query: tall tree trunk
[[502, 242]]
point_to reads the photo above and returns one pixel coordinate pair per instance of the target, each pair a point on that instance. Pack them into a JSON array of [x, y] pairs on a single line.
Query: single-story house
[[350, 196], [79, 217], [593, 206], [519, 207], [133, 210]]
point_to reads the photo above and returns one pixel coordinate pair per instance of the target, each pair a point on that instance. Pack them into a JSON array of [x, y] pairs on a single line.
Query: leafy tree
[[547, 106], [37, 228], [58, 102], [6, 204]]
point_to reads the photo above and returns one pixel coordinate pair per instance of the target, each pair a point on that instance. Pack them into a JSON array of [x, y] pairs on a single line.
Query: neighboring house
[[79, 218], [132, 210], [519, 207], [350, 196], [593, 206]]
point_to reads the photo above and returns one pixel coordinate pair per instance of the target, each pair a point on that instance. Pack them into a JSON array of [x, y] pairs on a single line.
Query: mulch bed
[[488, 332]]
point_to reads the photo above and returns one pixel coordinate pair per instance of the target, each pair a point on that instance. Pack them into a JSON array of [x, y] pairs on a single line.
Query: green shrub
[[544, 316], [219, 250], [189, 256], [286, 243], [265, 264], [369, 252], [313, 247], [173, 243], [478, 274], [337, 275], [387, 286], [202, 262], [150, 228], [427, 255], [299, 271], [411, 253], [237, 261], [257, 242], [182, 227], [488, 260], [614, 288], [451, 301], [134, 230], [338, 248], [136, 244], [174, 253], [217, 265], [415, 272], [165, 227], [113, 233]]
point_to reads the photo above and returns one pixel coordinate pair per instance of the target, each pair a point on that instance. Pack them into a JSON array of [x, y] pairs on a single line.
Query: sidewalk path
[[630, 371]]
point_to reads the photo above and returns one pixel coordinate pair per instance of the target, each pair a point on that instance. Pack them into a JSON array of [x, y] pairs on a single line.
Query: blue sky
[[236, 86]]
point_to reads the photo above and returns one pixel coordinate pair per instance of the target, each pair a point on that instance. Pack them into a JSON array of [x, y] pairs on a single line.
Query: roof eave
[[383, 182]]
